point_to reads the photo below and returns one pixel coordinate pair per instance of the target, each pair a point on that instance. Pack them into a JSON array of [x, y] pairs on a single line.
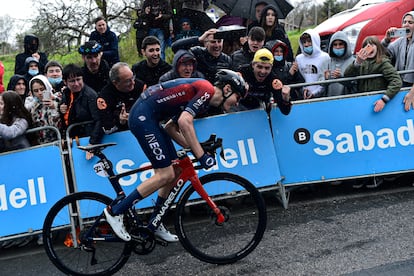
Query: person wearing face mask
[[32, 68], [341, 57], [287, 72], [53, 73], [31, 49], [312, 63]]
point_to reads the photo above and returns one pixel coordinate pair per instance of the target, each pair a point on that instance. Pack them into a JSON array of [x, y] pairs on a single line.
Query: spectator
[[270, 23], [107, 39], [19, 84], [264, 88], [312, 62], [373, 60], [186, 30], [32, 68], [53, 72], [341, 57], [141, 26], [31, 49], [184, 66], [158, 14], [79, 104], [402, 52], [152, 67], [255, 41], [43, 106], [95, 68], [258, 8], [210, 58], [194, 10], [15, 120], [117, 98], [287, 72], [1, 77]]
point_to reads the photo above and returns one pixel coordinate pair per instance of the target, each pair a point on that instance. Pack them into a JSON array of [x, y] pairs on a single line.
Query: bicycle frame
[[188, 173]]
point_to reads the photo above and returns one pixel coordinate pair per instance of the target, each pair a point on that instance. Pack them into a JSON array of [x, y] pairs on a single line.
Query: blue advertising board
[[342, 138], [248, 148], [30, 183]]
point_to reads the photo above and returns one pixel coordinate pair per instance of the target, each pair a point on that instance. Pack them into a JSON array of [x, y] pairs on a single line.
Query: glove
[[207, 161]]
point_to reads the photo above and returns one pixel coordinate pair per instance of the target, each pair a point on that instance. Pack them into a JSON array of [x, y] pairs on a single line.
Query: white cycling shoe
[[162, 233], [117, 224]]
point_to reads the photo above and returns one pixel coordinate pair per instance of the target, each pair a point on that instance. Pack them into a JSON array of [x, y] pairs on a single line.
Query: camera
[[399, 32], [47, 95], [231, 33]]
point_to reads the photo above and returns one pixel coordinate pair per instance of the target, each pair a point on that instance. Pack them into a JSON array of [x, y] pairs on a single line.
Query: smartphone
[[399, 32], [47, 95], [369, 48]]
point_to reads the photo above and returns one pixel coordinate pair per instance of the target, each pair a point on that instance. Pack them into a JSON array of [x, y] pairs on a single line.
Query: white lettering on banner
[[231, 156], [19, 197], [366, 140]]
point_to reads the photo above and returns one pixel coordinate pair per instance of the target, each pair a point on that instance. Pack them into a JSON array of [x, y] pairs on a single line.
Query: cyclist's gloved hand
[[207, 161]]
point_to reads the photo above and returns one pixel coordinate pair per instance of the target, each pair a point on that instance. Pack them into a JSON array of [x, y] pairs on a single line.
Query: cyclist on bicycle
[[164, 111]]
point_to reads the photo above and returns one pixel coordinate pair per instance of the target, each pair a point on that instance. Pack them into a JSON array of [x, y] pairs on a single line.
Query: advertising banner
[[247, 143], [30, 183], [343, 138]]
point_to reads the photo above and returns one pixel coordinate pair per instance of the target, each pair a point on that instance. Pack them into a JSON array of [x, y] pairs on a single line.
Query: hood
[[182, 55], [340, 36], [264, 12], [42, 79], [13, 81], [408, 13], [273, 44], [31, 43], [316, 42]]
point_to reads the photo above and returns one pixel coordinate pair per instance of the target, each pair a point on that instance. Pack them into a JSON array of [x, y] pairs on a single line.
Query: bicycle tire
[[71, 260], [238, 236]]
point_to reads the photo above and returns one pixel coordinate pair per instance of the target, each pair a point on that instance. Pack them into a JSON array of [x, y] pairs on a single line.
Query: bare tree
[[62, 25]]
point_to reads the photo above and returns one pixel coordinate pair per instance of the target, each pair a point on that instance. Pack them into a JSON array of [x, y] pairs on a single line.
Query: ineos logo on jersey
[[201, 101], [155, 146]]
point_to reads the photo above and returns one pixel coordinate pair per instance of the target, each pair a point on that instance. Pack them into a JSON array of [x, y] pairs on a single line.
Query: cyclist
[[164, 111]]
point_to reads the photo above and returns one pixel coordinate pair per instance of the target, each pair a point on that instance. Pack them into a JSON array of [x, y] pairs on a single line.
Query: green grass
[[127, 50]]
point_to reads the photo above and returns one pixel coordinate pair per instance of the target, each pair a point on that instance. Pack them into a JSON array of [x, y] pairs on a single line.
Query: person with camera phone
[[401, 50]]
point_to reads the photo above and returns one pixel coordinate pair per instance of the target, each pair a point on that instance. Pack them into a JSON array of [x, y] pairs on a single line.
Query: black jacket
[[150, 75], [206, 63], [83, 108], [110, 102], [262, 92], [99, 80]]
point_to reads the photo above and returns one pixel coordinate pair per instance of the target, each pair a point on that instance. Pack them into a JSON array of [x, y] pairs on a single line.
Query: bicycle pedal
[[161, 242]]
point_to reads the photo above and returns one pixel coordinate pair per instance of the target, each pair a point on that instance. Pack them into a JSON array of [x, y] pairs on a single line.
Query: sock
[[158, 204], [126, 203]]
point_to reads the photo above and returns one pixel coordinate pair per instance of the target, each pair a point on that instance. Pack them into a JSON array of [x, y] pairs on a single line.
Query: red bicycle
[[208, 214]]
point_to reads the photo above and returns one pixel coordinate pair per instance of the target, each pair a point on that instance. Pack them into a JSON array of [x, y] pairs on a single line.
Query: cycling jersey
[[162, 102]]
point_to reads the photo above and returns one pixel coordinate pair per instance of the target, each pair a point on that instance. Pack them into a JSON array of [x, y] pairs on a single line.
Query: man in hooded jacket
[[31, 49]]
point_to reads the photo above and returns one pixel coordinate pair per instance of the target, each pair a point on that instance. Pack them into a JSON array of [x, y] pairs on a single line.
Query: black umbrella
[[246, 8]]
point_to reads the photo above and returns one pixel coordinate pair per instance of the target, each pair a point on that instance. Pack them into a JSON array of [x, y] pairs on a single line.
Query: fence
[[317, 142]]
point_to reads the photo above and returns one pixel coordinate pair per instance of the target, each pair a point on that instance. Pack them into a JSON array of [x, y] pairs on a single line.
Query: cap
[[90, 47], [263, 55], [31, 59]]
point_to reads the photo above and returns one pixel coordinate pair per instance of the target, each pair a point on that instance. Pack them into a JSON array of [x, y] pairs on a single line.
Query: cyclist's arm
[[186, 125], [174, 131]]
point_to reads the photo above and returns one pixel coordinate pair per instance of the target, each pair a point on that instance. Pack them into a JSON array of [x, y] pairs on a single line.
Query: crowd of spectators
[[102, 91]]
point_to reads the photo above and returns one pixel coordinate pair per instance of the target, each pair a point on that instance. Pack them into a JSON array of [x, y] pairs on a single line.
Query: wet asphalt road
[[327, 230]]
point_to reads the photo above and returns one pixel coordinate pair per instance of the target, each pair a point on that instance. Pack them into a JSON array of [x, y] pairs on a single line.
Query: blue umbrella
[[246, 8]]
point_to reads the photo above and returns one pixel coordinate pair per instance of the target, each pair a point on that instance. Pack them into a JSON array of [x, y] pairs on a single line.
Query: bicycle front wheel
[[64, 236], [221, 243]]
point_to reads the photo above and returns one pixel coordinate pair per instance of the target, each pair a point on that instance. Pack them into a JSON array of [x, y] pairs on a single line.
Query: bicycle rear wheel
[[72, 216], [245, 212]]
